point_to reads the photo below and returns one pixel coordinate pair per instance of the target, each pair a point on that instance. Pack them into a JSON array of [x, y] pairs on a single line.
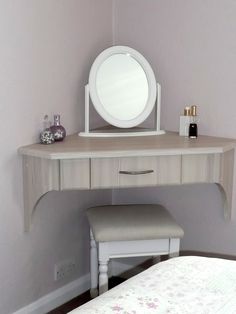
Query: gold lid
[[193, 110], [187, 111]]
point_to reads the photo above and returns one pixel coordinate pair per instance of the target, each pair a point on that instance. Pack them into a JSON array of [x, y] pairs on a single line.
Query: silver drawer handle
[[134, 173]]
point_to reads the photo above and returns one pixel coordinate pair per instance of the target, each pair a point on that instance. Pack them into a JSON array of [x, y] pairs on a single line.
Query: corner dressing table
[[124, 92], [96, 163]]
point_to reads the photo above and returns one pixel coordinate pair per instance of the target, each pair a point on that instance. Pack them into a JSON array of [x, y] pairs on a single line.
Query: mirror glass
[[122, 86]]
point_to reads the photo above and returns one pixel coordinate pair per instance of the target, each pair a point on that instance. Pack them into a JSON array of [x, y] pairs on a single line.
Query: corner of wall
[[114, 21]]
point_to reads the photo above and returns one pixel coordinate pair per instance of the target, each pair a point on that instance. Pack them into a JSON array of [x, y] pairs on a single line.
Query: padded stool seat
[[129, 230], [132, 222]]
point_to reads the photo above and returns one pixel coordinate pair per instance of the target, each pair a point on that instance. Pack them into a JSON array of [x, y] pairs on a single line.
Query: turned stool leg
[[103, 276], [103, 257], [93, 267], [119, 231], [174, 248]]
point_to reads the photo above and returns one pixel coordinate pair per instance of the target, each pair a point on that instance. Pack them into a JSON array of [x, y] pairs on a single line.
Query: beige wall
[[191, 47], [47, 48]]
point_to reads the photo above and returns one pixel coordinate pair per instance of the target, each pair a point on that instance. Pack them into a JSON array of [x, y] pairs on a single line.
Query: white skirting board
[[70, 291], [57, 297]]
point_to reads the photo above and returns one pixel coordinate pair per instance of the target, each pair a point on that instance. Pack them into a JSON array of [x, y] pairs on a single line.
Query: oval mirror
[[122, 86]]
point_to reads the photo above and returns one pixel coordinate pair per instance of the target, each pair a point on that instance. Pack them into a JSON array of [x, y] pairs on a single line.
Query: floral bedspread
[[181, 285]]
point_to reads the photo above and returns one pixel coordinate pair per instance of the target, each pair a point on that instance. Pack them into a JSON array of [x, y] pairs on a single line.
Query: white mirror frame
[[151, 87], [153, 95]]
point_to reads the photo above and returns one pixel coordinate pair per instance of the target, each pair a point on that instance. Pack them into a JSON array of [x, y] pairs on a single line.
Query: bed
[[180, 285]]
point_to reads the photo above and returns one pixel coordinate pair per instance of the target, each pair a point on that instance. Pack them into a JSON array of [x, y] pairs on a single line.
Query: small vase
[[46, 136], [57, 129]]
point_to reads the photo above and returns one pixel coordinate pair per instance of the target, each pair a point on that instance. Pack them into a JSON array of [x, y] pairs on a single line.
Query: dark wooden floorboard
[[83, 298]]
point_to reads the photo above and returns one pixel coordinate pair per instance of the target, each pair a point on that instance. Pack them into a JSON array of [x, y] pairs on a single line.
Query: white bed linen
[[181, 285]]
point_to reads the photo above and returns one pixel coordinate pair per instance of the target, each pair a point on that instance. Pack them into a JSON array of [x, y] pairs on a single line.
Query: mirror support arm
[[86, 113], [108, 88], [87, 132], [158, 109], [87, 100]]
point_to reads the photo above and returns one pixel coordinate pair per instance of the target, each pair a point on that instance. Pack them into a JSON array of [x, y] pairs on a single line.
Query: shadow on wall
[[198, 208]]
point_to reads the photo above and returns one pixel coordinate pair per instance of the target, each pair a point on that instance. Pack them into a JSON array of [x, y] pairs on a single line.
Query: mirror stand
[[111, 131]]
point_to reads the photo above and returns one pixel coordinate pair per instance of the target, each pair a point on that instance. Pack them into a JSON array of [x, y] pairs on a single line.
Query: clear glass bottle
[[184, 121], [46, 135], [57, 129]]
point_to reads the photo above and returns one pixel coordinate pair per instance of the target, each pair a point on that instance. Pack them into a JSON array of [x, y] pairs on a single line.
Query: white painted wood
[[93, 266], [100, 133], [174, 247], [39, 177], [103, 276], [74, 174], [102, 104], [172, 255], [119, 249], [158, 108], [226, 181], [86, 111], [201, 168]]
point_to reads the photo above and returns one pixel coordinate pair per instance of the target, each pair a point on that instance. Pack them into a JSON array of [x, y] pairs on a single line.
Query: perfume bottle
[[193, 130], [57, 129], [46, 136], [184, 122]]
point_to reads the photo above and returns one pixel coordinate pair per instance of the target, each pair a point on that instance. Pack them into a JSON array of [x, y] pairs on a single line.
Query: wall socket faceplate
[[64, 268]]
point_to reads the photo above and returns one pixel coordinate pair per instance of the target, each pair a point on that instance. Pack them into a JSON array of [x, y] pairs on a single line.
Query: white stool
[[126, 231]]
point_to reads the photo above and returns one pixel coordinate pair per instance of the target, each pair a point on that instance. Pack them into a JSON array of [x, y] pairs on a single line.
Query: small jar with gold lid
[[193, 129]]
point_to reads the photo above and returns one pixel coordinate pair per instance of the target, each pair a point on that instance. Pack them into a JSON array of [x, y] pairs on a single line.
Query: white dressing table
[[96, 163]]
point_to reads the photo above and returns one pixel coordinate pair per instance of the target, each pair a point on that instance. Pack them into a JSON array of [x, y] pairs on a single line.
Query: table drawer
[[74, 174], [201, 168], [135, 171]]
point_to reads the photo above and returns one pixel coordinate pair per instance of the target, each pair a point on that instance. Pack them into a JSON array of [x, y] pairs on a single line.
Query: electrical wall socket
[[64, 269]]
